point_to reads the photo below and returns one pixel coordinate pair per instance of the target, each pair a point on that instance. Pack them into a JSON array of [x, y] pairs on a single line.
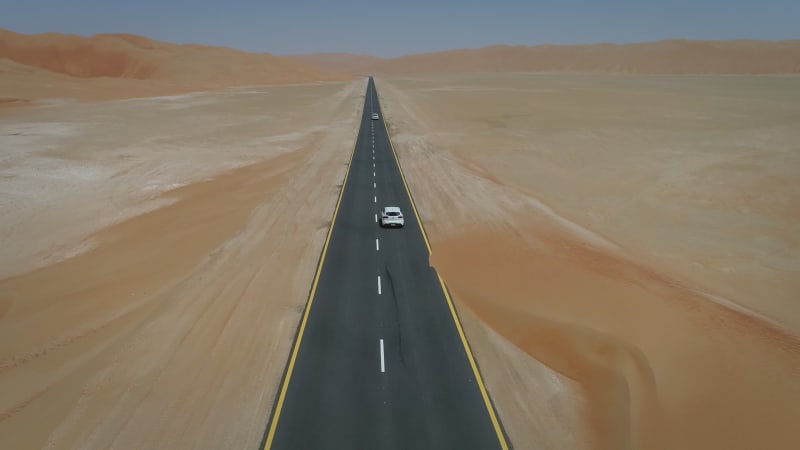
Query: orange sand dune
[[663, 57], [20, 84], [168, 68]]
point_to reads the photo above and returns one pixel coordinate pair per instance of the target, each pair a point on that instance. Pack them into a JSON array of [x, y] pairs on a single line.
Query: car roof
[[391, 208]]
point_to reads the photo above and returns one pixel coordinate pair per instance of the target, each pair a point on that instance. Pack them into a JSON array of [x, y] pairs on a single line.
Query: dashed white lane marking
[[374, 185], [373, 174], [376, 218], [373, 164], [379, 285], [375, 199], [383, 363], [377, 245]]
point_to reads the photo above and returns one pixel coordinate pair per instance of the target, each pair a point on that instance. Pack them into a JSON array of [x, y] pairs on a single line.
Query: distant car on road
[[375, 116], [391, 216]]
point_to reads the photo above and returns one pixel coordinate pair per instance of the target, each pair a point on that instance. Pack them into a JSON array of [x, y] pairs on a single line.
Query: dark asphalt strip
[[334, 393]]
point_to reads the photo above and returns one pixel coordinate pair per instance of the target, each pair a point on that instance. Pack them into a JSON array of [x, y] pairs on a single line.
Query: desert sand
[[677, 56], [636, 236], [113, 66], [623, 249], [157, 254]]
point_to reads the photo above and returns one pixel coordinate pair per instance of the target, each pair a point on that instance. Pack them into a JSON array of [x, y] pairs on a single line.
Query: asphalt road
[[380, 361]]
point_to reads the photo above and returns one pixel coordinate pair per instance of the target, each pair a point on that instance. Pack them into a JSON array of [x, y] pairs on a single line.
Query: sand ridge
[[110, 66]]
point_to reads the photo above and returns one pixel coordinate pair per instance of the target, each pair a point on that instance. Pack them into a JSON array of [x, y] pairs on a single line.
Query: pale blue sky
[[398, 27]]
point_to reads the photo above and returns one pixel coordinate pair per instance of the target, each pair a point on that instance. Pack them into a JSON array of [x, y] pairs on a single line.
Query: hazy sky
[[393, 28]]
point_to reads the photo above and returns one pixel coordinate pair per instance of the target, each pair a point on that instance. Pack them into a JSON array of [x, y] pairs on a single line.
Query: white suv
[[391, 216], [375, 116]]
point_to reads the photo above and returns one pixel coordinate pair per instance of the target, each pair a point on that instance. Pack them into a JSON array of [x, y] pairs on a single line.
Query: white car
[[375, 116], [391, 216]]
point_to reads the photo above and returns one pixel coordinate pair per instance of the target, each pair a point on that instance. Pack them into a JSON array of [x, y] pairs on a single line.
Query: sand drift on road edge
[[652, 355]]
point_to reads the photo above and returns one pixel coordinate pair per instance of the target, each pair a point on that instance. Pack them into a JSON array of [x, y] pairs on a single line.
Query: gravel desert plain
[[619, 225]]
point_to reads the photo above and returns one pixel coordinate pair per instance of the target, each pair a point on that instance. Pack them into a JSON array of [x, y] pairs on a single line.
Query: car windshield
[[392, 213]]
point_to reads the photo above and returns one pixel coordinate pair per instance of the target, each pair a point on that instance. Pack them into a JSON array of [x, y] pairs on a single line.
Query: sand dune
[[663, 57], [110, 66], [123, 65], [22, 85]]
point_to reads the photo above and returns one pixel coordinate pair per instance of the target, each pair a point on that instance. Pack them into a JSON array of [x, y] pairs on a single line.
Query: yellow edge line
[[484, 393], [274, 425]]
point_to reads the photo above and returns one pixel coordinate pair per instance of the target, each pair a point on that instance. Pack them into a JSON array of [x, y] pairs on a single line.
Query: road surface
[[380, 360]]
